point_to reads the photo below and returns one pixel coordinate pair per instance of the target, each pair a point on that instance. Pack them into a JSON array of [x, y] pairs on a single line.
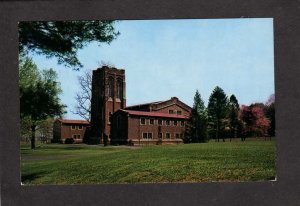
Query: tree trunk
[[33, 136], [217, 132]]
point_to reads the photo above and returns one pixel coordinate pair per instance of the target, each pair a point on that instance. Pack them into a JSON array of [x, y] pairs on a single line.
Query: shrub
[[130, 143], [56, 141], [159, 141], [69, 141]]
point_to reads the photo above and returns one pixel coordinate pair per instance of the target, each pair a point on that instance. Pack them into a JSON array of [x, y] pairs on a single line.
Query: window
[[119, 89], [168, 123], [147, 135], [80, 127], [179, 112], [168, 135], [177, 136], [76, 136], [143, 121], [182, 123], [160, 135], [151, 121], [175, 122], [109, 117], [160, 122], [110, 87], [73, 127], [171, 111]]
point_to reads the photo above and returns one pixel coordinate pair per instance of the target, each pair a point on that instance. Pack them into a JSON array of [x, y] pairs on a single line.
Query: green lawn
[[81, 164]]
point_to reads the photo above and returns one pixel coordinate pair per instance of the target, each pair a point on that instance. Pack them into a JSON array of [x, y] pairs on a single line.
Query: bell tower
[[108, 96]]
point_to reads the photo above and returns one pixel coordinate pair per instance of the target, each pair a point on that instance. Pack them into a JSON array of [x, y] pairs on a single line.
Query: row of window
[[80, 127], [110, 88], [76, 136], [149, 135], [161, 122], [175, 112]]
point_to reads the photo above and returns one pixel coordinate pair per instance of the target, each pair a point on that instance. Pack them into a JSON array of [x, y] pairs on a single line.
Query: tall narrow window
[[175, 123], [143, 121], [160, 122], [110, 87], [119, 89], [168, 122]]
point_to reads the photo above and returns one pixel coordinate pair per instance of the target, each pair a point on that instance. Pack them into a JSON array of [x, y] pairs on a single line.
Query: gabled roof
[[144, 104], [73, 121], [154, 114], [159, 105]]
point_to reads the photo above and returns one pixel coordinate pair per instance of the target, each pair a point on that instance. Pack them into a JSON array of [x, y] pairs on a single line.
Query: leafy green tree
[[39, 95], [217, 112], [63, 39], [233, 116], [197, 124]]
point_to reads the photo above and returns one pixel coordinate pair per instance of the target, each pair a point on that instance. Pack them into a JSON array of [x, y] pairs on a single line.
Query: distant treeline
[[224, 118]]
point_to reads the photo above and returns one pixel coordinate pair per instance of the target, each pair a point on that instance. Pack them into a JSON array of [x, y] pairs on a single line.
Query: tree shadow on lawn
[[32, 176]]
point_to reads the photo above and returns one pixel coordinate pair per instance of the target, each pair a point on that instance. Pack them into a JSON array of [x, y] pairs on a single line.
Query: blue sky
[[166, 58]]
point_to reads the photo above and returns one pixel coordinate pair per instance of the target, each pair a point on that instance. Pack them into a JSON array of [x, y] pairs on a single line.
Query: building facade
[[66, 128], [147, 128], [153, 123]]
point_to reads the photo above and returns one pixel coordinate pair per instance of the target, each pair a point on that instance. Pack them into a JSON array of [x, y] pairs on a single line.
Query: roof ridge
[[157, 114], [145, 104]]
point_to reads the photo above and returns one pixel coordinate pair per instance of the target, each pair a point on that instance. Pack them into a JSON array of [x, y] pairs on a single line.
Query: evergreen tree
[[217, 111], [197, 124], [233, 116], [38, 95]]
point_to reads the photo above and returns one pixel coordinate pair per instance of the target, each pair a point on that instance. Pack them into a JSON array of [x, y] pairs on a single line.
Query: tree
[[25, 129], [83, 97], [217, 111], [197, 124], [233, 116], [256, 124], [63, 39], [45, 129], [270, 114], [38, 95]]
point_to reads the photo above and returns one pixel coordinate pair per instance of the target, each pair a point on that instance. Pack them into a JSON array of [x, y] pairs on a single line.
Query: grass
[[83, 164]]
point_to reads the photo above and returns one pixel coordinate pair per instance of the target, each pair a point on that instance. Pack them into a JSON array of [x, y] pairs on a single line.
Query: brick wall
[[132, 129], [175, 108]]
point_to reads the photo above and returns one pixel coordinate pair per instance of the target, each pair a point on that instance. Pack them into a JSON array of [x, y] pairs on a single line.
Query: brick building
[[152, 123], [66, 128], [112, 121]]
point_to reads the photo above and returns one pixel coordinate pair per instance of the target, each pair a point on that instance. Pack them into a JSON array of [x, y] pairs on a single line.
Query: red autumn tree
[[255, 121]]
